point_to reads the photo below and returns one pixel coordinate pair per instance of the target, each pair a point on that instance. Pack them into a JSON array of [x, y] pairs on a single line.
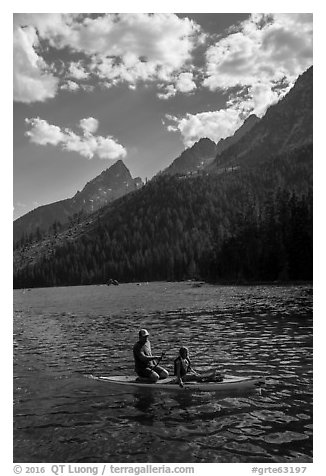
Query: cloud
[[77, 71], [70, 86], [164, 41], [255, 56], [182, 83], [265, 51], [138, 47], [89, 125], [215, 125], [260, 97], [167, 91], [115, 48], [32, 80], [48, 25], [43, 133], [87, 145], [185, 83], [255, 64]]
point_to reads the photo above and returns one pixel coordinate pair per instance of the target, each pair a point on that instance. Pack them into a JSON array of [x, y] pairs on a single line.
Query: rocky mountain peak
[[111, 184], [193, 159], [286, 126], [247, 125]]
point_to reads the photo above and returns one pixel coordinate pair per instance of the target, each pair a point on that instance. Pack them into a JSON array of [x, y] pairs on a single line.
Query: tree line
[[242, 226]]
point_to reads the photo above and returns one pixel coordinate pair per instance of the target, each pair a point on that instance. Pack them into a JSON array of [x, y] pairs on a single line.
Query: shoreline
[[196, 283]]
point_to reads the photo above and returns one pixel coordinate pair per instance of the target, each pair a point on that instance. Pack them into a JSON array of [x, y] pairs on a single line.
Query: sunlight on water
[[61, 335]]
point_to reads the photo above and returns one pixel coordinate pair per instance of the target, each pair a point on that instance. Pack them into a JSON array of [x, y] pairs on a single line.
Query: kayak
[[169, 384]]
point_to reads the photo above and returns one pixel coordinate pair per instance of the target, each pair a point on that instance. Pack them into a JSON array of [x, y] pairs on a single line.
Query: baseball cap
[[143, 333]]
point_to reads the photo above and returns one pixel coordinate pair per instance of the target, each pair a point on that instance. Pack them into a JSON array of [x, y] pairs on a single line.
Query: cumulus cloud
[[70, 85], [164, 41], [256, 56], [215, 124], [138, 47], [88, 145], [89, 125], [183, 83], [48, 25], [266, 50], [77, 71], [32, 80], [43, 133], [116, 48], [167, 91], [255, 64]]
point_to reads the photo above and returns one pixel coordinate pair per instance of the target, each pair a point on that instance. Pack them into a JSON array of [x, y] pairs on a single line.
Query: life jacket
[[184, 366]]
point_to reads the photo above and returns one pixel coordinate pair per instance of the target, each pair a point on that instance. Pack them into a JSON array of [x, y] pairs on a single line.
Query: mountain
[[203, 152], [193, 159], [111, 184], [248, 124], [238, 226], [246, 223], [286, 125]]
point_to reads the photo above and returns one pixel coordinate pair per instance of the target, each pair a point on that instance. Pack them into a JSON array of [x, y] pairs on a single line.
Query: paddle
[[159, 360]]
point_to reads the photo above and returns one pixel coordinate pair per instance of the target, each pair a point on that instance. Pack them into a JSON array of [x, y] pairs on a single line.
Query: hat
[[143, 333]]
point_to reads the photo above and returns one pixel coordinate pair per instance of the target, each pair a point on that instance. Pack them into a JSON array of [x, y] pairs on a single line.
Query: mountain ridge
[[193, 158], [250, 221], [203, 152], [247, 125], [286, 125], [111, 184]]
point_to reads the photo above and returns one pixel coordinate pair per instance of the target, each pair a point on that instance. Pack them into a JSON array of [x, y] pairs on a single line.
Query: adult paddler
[[145, 365]]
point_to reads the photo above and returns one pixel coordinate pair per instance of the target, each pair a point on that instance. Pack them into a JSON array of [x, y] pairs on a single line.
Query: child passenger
[[185, 373]]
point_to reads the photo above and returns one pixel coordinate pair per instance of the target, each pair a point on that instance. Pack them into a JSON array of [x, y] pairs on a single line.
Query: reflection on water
[[64, 334]]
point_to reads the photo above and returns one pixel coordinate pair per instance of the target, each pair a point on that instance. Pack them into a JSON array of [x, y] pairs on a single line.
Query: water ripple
[[64, 334]]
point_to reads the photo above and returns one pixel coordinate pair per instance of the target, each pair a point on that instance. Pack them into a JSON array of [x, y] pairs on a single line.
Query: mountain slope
[[248, 124], [175, 228], [252, 222], [193, 159], [286, 125], [111, 184], [203, 152]]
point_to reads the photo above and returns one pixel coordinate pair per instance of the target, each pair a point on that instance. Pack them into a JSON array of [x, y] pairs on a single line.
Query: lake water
[[63, 335]]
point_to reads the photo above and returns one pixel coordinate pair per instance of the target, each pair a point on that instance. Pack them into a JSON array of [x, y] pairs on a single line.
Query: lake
[[64, 335]]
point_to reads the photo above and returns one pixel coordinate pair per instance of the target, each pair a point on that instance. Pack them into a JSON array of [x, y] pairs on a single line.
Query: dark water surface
[[61, 335]]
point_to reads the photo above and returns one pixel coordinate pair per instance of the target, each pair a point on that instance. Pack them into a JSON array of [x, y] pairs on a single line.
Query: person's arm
[[190, 369], [147, 358]]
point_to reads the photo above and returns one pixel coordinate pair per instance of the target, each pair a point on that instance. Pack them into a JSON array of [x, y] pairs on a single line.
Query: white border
[[202, 6]]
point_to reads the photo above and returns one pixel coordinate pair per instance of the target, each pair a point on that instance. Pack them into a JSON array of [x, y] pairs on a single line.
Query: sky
[[90, 89]]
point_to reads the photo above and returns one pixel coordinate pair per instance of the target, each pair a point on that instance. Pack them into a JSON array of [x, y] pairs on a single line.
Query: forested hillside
[[245, 217], [244, 225]]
